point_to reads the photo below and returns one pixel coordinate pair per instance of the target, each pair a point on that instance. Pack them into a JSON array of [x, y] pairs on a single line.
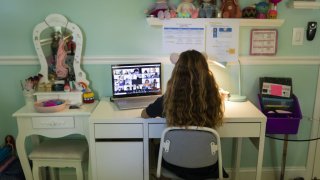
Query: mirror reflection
[[58, 43], [59, 48]]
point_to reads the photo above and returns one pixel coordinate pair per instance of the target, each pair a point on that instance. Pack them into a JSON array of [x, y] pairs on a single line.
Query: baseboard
[[245, 173], [270, 173]]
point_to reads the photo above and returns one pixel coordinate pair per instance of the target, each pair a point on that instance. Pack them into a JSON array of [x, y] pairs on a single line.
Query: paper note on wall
[[180, 34], [276, 90], [222, 38]]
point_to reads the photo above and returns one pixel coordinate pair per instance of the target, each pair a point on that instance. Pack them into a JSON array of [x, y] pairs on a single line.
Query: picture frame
[[263, 42]]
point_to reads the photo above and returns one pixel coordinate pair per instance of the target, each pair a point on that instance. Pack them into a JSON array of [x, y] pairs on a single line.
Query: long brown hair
[[192, 96]]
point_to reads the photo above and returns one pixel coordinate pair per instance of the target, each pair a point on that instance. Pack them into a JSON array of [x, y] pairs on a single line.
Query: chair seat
[[60, 149]]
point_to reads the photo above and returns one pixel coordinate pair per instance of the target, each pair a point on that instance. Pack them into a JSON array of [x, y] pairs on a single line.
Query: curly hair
[[192, 97]]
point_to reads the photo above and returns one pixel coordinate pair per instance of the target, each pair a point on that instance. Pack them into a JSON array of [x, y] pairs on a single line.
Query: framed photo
[[263, 42]]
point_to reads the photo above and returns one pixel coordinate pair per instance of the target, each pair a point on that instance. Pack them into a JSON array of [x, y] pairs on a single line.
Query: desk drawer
[[239, 130], [53, 122], [118, 131]]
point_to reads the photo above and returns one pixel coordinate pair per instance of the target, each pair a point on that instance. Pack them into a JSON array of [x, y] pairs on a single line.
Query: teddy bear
[[207, 9], [230, 9], [161, 9], [186, 9]]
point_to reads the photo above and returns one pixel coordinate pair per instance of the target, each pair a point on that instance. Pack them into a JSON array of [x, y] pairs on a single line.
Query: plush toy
[[208, 8], [230, 9], [186, 9], [161, 9], [262, 10], [273, 13], [249, 12]]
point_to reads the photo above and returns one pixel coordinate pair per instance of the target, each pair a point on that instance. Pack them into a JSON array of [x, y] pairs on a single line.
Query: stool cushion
[[60, 149]]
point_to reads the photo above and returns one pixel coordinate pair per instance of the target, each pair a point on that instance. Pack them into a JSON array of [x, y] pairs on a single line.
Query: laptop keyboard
[[135, 102]]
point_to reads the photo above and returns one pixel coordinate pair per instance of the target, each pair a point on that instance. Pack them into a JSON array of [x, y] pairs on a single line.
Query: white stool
[[59, 153]]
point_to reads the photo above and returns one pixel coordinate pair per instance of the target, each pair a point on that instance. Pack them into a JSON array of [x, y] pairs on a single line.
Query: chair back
[[190, 147]]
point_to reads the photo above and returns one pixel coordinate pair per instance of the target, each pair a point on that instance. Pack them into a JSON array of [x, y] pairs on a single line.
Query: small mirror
[[58, 44]]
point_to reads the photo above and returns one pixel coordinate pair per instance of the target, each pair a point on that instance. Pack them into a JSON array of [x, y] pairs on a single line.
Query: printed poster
[[222, 36], [183, 34]]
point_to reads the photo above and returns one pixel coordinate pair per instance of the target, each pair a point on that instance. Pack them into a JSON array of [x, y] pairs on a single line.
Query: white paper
[[222, 36], [183, 34]]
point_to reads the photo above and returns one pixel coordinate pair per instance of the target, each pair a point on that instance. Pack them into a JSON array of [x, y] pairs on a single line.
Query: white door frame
[[313, 163]]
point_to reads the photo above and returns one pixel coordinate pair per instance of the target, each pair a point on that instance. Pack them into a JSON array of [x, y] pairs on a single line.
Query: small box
[[283, 123]]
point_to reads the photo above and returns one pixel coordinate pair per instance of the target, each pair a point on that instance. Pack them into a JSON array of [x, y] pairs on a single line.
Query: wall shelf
[[304, 4], [243, 22]]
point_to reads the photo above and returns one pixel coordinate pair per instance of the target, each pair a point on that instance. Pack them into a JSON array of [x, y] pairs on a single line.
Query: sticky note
[[276, 90]]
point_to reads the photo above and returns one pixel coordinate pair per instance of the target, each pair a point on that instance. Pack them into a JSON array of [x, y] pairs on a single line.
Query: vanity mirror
[[58, 43]]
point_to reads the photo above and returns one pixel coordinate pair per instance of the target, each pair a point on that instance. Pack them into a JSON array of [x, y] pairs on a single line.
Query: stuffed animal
[[249, 12], [262, 10], [208, 8], [273, 13], [161, 9], [186, 9], [230, 9]]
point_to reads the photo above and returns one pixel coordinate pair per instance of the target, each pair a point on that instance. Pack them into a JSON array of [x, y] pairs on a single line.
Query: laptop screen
[[136, 79]]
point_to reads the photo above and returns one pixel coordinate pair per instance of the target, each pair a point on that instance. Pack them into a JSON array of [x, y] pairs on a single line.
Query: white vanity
[[68, 121]]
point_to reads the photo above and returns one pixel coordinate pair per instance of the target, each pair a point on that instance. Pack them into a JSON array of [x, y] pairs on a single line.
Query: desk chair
[[190, 147], [59, 153]]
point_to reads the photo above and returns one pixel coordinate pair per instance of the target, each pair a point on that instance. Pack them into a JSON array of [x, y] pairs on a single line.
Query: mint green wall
[[119, 28]]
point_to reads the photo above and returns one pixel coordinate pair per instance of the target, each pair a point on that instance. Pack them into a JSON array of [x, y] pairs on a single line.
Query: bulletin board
[[263, 42]]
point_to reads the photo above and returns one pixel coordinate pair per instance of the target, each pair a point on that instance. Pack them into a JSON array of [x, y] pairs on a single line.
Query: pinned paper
[[276, 90]]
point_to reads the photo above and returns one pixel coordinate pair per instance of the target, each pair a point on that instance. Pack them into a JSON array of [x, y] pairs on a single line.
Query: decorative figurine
[[230, 9], [186, 9], [273, 13], [262, 10], [161, 9], [208, 8], [249, 12]]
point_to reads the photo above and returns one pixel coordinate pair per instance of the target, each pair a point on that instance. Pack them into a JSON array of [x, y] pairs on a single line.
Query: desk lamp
[[233, 97], [238, 97]]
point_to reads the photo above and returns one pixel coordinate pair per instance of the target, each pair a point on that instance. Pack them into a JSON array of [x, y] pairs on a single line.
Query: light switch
[[297, 36]]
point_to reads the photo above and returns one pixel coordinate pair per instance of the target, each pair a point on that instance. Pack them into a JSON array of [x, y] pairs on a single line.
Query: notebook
[[135, 85]]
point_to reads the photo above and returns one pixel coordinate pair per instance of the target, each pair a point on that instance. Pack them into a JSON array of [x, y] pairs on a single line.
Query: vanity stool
[[59, 153]]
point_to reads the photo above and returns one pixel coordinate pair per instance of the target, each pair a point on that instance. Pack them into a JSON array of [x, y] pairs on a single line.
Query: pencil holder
[[28, 97]]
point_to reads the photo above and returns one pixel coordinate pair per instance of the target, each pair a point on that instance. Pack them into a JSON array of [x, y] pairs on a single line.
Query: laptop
[[135, 85]]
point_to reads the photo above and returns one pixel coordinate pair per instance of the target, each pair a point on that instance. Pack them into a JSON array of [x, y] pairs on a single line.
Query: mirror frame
[[54, 20]]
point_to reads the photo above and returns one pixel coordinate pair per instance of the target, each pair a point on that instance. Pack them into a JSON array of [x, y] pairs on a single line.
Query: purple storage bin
[[283, 124]]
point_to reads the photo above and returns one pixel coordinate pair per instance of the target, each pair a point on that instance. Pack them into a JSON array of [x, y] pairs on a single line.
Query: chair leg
[[54, 173], [35, 172], [79, 172]]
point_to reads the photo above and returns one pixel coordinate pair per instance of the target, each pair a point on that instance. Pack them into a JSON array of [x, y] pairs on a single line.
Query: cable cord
[[295, 140]]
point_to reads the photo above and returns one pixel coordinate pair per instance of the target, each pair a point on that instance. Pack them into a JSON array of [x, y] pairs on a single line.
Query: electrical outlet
[[297, 36]]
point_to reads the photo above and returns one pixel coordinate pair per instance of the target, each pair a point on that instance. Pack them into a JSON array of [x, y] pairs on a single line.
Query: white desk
[[53, 125], [119, 139]]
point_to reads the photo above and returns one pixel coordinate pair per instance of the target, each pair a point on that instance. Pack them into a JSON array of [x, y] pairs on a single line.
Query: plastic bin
[[283, 123]]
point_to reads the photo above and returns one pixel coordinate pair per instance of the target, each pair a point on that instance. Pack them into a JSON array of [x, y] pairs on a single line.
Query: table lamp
[[238, 97], [233, 97]]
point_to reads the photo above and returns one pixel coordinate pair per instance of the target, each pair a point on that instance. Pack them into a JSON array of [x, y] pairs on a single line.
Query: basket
[[283, 123], [50, 106]]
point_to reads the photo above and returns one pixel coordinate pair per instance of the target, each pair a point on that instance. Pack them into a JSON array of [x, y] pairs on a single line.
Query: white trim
[[314, 146], [271, 60], [245, 173], [245, 60]]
